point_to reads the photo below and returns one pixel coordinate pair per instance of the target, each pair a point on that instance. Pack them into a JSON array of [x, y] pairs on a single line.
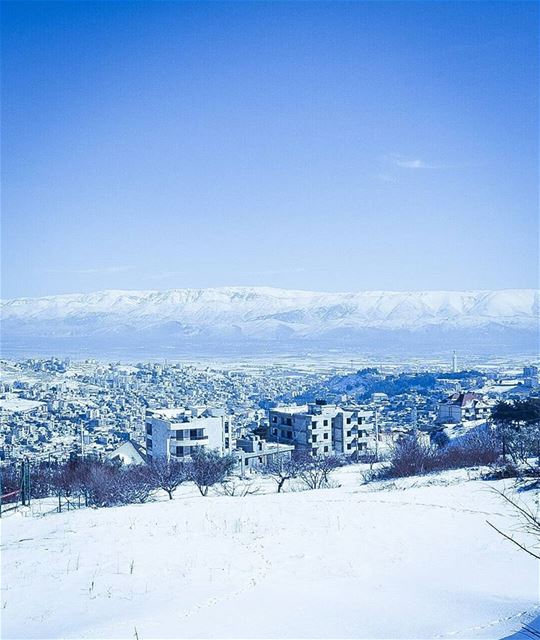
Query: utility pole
[[82, 441]]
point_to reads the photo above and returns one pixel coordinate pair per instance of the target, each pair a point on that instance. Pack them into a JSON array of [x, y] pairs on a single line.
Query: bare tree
[[207, 468], [282, 470], [314, 471], [135, 483], [529, 524], [168, 475]]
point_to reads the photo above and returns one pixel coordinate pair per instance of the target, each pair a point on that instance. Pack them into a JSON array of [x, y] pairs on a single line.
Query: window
[[314, 424], [226, 427], [325, 423], [349, 446], [349, 434], [274, 432], [193, 433], [179, 451], [348, 421], [274, 418], [247, 462], [314, 452], [283, 434], [226, 443], [289, 435], [149, 429], [325, 436], [148, 444], [314, 438], [360, 421], [326, 449], [289, 421], [180, 435]]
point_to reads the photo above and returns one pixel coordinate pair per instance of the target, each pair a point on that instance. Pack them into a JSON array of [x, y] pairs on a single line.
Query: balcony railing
[[190, 439]]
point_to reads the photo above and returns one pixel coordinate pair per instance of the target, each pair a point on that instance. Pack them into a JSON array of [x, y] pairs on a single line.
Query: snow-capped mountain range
[[262, 313]]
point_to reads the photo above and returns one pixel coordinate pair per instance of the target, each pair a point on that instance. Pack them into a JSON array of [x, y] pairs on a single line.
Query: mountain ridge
[[266, 312]]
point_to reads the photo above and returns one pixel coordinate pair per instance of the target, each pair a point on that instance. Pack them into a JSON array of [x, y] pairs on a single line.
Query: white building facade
[[322, 429], [174, 433]]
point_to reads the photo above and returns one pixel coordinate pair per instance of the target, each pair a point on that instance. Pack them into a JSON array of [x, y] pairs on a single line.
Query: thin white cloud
[[408, 162]]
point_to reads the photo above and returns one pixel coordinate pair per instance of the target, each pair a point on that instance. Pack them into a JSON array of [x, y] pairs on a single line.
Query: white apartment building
[[353, 430], [320, 429], [174, 433]]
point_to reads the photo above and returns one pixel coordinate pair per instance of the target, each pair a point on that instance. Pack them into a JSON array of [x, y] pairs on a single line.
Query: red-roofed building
[[463, 406]]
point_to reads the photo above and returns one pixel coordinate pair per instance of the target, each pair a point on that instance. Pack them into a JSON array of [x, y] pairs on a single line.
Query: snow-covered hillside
[[349, 562], [261, 313]]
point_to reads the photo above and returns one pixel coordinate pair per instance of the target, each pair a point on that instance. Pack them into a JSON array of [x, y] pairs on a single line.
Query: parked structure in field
[[174, 433], [463, 406], [318, 428]]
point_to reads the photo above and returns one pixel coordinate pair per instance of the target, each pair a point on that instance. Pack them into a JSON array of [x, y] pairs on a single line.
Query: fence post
[[25, 483]]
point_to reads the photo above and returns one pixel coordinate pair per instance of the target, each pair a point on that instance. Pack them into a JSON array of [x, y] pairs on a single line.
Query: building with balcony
[[352, 430], [174, 433], [322, 429]]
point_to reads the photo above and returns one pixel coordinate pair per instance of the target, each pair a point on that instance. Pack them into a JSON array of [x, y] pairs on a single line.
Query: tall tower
[[454, 363]]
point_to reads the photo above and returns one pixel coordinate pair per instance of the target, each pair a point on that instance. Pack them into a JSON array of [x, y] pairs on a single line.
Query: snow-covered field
[[417, 561]]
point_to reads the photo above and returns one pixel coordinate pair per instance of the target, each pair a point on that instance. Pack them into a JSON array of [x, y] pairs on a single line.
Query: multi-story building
[[320, 429], [463, 406], [531, 376], [352, 430], [174, 433]]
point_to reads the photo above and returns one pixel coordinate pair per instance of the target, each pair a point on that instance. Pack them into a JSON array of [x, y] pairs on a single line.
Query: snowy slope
[[337, 563], [260, 312]]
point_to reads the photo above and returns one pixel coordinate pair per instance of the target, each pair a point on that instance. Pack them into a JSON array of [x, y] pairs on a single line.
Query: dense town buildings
[[54, 409]]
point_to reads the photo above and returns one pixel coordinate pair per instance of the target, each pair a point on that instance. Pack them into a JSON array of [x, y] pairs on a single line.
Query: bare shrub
[[314, 471], [411, 457], [10, 481], [479, 447], [234, 486]]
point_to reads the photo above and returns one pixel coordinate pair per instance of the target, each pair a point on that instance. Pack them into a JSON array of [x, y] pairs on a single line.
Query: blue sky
[[332, 146]]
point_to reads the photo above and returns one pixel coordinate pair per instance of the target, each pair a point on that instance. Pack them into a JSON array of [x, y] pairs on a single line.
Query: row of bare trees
[[513, 437], [103, 484]]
